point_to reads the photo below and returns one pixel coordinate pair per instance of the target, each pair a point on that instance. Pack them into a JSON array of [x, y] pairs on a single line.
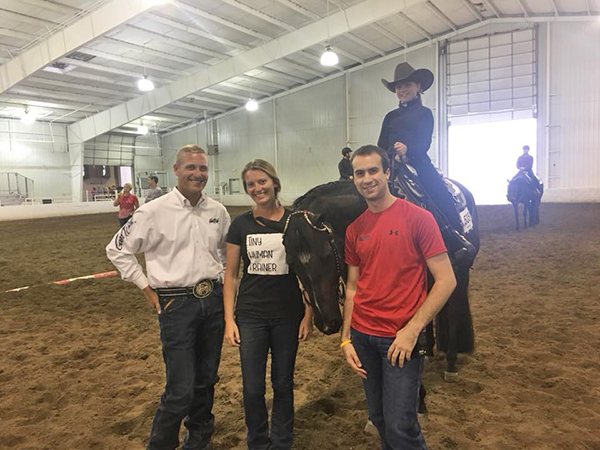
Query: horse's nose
[[332, 326]]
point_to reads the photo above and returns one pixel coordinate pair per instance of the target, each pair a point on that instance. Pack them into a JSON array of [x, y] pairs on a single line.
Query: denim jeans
[[392, 393], [191, 332], [258, 336]]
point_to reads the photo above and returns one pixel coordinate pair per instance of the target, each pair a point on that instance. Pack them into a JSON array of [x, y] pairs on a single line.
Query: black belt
[[201, 290]]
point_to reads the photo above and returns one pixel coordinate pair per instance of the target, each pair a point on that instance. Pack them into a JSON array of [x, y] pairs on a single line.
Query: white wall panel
[[311, 132], [370, 101], [574, 144], [37, 151], [242, 137]]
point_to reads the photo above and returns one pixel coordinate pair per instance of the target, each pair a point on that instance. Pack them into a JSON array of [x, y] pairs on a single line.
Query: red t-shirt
[[390, 249], [126, 204]]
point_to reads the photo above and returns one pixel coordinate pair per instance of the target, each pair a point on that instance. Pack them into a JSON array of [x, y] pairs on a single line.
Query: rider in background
[[525, 164], [345, 166], [406, 133]]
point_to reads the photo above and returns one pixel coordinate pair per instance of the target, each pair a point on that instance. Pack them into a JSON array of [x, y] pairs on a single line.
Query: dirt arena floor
[[81, 367]]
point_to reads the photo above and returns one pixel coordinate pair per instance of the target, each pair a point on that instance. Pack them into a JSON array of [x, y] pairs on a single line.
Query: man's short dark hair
[[526, 147], [346, 150], [153, 178], [366, 150]]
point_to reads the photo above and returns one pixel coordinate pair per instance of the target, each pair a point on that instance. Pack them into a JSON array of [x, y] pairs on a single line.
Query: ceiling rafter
[[177, 42], [415, 26], [18, 17], [555, 8], [220, 20], [261, 15], [243, 88], [589, 9], [135, 62], [42, 103], [58, 95], [81, 87], [364, 43], [101, 68], [17, 34], [473, 10], [270, 83], [193, 105], [158, 18], [388, 34], [440, 15], [285, 76], [523, 7], [302, 68], [300, 9], [343, 52], [224, 94], [490, 4], [51, 6], [151, 51], [213, 100]]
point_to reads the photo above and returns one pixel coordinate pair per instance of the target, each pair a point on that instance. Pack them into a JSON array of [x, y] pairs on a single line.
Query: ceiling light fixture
[[142, 129], [27, 117], [144, 84], [329, 57], [251, 105]]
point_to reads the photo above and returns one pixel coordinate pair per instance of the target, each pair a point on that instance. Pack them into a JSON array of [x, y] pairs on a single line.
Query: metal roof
[[174, 40]]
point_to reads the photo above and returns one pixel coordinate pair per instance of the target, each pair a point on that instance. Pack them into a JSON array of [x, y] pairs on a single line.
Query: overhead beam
[[86, 29], [364, 43], [391, 36], [555, 8], [269, 83], [135, 62], [299, 9], [522, 5], [302, 68], [213, 100], [283, 75], [492, 7], [589, 9], [101, 68], [249, 89], [220, 20], [473, 10], [352, 18], [259, 14], [150, 51], [415, 26], [440, 15]]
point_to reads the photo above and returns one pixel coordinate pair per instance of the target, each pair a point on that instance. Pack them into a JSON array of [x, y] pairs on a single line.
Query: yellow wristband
[[349, 341]]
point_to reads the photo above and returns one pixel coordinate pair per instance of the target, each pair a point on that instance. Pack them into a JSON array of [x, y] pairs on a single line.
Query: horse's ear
[[272, 224]]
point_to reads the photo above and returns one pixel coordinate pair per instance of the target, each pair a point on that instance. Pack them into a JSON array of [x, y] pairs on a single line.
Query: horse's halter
[[331, 240]]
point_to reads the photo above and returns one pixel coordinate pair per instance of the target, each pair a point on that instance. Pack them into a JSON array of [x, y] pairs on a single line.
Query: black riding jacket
[[411, 124]]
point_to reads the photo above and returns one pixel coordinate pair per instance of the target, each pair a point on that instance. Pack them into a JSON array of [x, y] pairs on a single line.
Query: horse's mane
[[320, 189]]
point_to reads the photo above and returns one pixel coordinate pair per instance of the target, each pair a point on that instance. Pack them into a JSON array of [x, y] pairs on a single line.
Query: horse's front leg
[[451, 372], [526, 208], [516, 210]]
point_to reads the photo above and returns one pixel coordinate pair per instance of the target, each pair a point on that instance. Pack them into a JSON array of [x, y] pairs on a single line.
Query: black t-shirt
[[269, 288]]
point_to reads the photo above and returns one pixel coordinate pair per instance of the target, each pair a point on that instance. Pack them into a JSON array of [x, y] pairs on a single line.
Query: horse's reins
[[324, 228]]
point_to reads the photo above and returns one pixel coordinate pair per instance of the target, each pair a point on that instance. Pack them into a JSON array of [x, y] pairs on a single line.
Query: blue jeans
[[258, 336], [392, 393], [191, 332]]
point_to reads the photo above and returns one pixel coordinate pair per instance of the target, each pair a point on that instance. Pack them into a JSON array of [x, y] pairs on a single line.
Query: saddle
[[406, 184]]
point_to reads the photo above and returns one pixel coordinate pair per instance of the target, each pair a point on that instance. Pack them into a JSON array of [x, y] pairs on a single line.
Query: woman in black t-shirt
[[269, 313]]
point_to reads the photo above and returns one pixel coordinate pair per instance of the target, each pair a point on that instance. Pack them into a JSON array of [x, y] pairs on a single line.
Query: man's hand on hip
[[152, 298]]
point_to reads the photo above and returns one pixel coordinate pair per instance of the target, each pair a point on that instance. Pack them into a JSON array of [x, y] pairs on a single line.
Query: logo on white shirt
[[214, 220], [267, 254], [125, 230]]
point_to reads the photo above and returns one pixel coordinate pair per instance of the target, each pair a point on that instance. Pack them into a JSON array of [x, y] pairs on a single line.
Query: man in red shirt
[[388, 251]]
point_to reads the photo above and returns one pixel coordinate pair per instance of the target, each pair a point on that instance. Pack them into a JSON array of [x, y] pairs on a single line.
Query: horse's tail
[[455, 321]]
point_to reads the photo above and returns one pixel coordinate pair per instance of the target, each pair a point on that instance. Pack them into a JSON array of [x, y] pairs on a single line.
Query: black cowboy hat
[[404, 72]]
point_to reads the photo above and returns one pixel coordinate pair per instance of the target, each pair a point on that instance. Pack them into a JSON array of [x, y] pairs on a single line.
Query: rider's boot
[[461, 251]]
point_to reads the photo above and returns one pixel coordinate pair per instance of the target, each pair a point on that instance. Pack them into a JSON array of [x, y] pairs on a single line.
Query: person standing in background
[[156, 190], [127, 203]]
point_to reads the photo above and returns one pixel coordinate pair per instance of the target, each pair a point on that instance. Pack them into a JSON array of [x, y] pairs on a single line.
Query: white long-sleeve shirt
[[182, 244]]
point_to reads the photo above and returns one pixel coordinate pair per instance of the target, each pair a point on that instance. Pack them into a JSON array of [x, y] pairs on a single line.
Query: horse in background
[[521, 190]]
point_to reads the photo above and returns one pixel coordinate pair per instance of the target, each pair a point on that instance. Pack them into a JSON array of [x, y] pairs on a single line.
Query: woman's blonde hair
[[263, 166], [128, 184]]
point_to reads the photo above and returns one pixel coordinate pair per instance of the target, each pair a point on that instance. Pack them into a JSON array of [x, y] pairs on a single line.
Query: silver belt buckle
[[203, 289]]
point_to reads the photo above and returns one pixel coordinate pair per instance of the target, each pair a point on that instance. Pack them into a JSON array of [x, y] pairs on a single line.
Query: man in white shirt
[[182, 235], [155, 191]]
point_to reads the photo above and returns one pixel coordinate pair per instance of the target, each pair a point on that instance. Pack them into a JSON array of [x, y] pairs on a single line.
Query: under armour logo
[[213, 220], [394, 232]]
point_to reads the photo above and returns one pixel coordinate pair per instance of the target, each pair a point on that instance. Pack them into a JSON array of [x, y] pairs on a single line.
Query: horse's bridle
[[331, 239]]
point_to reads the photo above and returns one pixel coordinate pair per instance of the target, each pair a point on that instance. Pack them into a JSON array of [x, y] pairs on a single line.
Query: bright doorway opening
[[482, 156]]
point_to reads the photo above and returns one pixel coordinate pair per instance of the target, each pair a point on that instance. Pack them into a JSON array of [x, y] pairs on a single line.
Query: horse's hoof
[[370, 429], [450, 377]]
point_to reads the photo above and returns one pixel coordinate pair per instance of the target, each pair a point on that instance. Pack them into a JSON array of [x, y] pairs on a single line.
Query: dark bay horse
[[522, 191], [314, 241]]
